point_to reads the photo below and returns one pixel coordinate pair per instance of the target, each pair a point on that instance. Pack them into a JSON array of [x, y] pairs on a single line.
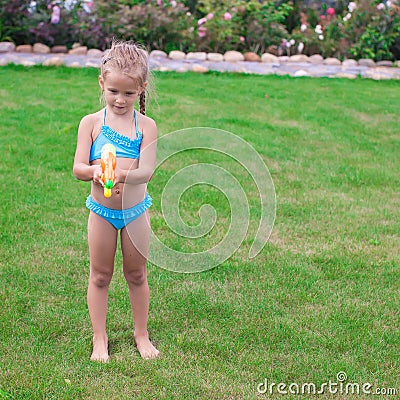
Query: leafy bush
[[364, 29], [332, 28], [324, 36], [159, 25], [14, 16], [45, 27], [251, 25], [50, 22], [375, 27]]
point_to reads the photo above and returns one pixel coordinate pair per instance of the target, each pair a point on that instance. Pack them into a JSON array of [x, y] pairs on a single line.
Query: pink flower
[[55, 16], [227, 16], [347, 17], [201, 21], [210, 16], [87, 5], [159, 3], [242, 39], [318, 29], [202, 31], [330, 11], [352, 6]]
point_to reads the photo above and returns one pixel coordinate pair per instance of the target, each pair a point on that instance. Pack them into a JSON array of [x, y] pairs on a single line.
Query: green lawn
[[322, 297]]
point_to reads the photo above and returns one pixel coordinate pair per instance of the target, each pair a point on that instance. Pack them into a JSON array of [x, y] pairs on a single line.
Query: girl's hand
[[97, 172], [119, 175]]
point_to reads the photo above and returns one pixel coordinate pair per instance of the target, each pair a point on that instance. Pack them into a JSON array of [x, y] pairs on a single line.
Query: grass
[[322, 297]]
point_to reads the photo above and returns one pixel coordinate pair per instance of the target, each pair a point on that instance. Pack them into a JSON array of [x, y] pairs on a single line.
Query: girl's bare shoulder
[[90, 124], [146, 123], [93, 119]]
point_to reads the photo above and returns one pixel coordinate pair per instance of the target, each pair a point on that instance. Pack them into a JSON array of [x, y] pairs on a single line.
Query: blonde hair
[[130, 59]]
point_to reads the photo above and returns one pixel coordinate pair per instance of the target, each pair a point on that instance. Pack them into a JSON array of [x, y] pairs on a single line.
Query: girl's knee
[[100, 279], [136, 277]]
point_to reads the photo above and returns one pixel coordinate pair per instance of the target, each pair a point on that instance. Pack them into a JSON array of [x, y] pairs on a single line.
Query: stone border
[[201, 62]]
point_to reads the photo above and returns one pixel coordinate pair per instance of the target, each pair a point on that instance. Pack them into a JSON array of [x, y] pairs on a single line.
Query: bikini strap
[[104, 118], [136, 124]]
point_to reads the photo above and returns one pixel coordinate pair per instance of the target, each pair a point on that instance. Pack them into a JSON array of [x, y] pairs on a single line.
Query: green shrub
[[251, 25], [159, 26], [363, 29], [333, 28], [375, 27]]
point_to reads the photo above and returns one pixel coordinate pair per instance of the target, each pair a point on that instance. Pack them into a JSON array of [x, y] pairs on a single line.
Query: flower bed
[[340, 29]]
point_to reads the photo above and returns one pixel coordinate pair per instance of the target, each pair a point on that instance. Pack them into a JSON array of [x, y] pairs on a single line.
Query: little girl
[[123, 80]]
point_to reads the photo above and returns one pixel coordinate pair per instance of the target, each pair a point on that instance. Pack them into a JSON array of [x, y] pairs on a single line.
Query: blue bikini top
[[126, 147]]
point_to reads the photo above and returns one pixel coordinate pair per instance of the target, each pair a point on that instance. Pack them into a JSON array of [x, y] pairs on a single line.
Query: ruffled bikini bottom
[[119, 218]]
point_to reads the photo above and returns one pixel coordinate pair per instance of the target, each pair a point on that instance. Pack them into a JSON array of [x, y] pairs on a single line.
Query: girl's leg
[[135, 238], [102, 240]]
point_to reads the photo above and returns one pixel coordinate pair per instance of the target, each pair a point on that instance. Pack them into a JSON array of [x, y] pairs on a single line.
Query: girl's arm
[[82, 170], [147, 161]]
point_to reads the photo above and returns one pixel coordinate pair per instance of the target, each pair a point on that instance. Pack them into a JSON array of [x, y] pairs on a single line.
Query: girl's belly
[[122, 195]]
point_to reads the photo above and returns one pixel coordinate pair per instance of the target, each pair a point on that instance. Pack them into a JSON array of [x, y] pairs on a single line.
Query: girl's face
[[120, 92]]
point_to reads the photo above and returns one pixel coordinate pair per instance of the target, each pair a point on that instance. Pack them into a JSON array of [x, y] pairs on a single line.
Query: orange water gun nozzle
[[108, 164]]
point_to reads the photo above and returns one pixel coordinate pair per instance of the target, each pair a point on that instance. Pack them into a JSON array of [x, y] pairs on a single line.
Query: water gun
[[108, 163]]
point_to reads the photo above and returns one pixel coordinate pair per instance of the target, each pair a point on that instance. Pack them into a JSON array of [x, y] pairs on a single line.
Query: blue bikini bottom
[[119, 218]]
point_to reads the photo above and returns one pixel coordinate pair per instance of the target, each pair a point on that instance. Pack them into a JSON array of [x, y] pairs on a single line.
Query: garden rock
[[28, 63], [184, 68], [233, 56], [366, 62], [78, 51], [384, 64], [158, 54], [53, 61], [7, 47], [198, 56], [332, 61], [59, 49], [269, 58], [199, 68], [299, 58], [345, 75], [301, 72], [349, 63], [215, 57], [95, 53], [4, 61], [41, 48], [316, 59], [24, 48], [176, 55], [378, 75], [164, 69], [252, 57], [92, 64], [284, 59]]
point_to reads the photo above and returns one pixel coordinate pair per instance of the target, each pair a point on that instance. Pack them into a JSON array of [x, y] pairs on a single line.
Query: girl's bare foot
[[100, 350], [145, 347]]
